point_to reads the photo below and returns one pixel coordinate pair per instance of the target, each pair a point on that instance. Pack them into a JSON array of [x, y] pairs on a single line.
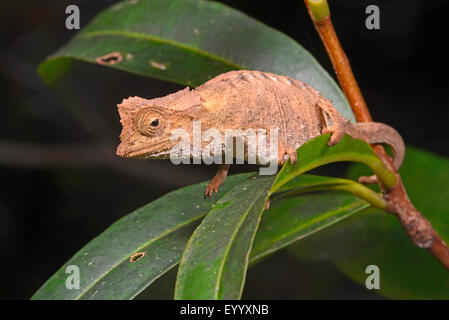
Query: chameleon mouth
[[124, 152], [143, 153]]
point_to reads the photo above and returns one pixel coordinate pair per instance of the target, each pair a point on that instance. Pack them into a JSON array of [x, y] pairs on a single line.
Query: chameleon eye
[[148, 122]]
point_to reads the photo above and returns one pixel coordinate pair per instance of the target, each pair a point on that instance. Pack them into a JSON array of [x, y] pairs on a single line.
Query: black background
[[52, 203]]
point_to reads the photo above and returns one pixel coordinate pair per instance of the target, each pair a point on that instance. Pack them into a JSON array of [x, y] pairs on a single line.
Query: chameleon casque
[[241, 100]]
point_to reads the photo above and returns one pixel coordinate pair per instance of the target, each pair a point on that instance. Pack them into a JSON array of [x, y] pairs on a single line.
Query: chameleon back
[[253, 99]]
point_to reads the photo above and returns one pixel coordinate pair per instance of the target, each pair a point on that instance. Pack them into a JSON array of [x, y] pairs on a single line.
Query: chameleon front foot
[[211, 188], [217, 180], [290, 152]]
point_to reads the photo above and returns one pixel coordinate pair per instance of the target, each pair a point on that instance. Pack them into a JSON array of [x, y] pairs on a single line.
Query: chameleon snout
[[121, 150]]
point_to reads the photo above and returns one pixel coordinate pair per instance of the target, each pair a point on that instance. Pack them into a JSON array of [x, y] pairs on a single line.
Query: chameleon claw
[[210, 191], [287, 154], [336, 135], [214, 184], [216, 181], [293, 156], [281, 160]]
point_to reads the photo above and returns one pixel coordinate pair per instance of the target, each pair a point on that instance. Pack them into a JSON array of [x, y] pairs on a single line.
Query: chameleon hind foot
[[336, 134], [334, 122]]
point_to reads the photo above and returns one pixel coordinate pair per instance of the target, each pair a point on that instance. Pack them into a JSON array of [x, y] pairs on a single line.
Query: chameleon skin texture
[[243, 100]]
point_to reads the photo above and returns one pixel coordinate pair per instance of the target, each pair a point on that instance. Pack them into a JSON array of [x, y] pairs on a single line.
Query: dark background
[[61, 184]]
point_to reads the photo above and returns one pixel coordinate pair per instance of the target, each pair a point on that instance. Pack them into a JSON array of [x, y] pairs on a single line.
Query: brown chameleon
[[243, 99]]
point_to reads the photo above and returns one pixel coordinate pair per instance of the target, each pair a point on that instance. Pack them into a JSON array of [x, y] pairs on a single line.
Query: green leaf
[[160, 230], [214, 263], [114, 277], [292, 217], [189, 42], [375, 237], [309, 183], [316, 152]]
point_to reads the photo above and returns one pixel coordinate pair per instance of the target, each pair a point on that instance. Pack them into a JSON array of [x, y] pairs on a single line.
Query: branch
[[417, 227]]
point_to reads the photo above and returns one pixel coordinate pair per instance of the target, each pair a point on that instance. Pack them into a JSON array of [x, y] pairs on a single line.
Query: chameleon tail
[[375, 133]]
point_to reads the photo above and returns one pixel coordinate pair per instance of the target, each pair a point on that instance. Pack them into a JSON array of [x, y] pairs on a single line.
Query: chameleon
[[243, 99]]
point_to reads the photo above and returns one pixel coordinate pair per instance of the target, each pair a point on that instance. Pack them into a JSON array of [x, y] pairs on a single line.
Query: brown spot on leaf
[[109, 59], [137, 256]]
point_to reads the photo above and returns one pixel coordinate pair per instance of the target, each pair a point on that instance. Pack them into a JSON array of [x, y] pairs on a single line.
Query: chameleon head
[[146, 129]]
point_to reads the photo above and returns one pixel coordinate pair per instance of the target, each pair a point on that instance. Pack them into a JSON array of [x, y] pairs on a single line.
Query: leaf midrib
[[143, 36]]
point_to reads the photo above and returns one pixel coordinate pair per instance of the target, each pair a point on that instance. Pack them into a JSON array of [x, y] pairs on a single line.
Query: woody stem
[[417, 227]]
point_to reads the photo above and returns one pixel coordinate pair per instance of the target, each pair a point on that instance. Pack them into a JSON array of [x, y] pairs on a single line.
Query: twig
[[416, 226]]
